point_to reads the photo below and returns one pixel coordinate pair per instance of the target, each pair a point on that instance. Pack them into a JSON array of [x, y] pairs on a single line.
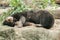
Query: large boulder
[[28, 33]]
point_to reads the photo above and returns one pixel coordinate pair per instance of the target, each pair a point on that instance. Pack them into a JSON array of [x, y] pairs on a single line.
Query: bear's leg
[[20, 22]]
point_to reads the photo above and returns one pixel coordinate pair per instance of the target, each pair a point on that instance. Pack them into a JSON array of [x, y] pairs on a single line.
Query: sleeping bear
[[42, 17]]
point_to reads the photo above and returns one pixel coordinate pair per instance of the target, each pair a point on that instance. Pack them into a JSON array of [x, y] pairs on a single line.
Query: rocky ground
[[30, 32]]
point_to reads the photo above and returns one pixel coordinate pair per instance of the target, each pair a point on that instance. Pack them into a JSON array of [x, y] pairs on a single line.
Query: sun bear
[[42, 17]]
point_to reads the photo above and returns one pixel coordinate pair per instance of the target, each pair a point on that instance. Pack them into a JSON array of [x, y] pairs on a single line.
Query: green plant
[[44, 3], [18, 5], [5, 14]]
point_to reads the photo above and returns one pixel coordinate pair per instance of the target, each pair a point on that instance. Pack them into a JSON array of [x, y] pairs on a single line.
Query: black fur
[[42, 17]]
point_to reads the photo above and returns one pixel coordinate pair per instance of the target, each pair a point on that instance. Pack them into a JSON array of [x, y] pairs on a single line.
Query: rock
[[28, 33], [7, 34], [4, 3], [54, 11], [57, 1]]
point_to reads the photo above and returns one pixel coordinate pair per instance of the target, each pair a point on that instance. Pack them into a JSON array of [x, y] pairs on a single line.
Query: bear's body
[[42, 17]]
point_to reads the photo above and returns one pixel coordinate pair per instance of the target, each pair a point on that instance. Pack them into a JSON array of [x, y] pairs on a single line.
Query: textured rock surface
[[37, 34], [29, 33]]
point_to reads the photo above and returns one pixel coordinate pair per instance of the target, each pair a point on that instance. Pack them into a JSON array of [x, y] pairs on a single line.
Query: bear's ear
[[9, 19]]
